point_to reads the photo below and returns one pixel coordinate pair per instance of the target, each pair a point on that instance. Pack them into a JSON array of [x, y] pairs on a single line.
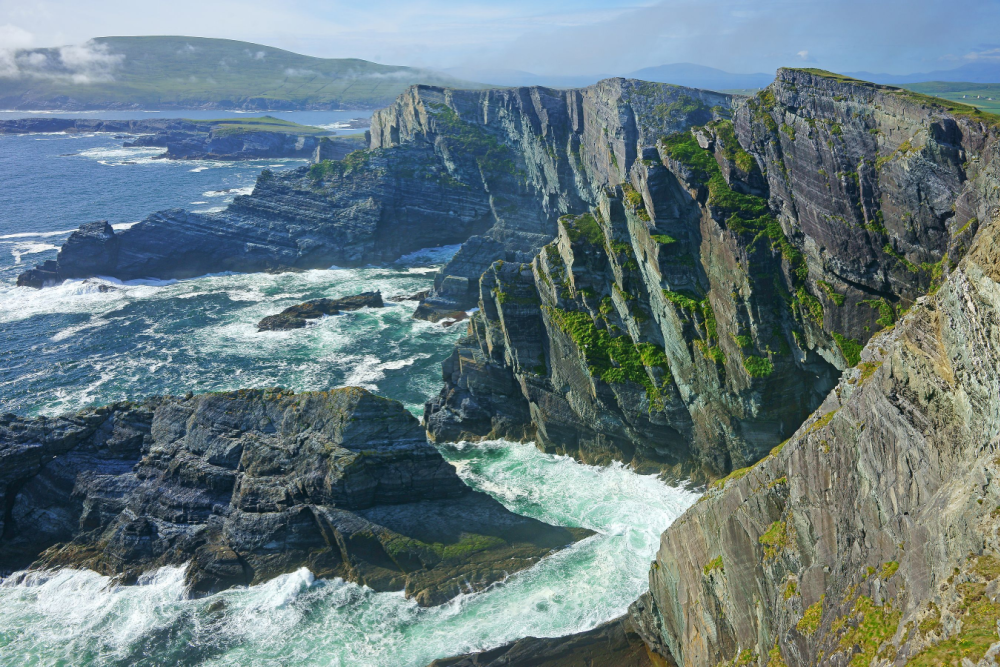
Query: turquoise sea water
[[74, 345]]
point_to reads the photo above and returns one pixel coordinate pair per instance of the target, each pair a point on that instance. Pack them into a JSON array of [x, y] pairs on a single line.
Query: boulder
[[295, 317]]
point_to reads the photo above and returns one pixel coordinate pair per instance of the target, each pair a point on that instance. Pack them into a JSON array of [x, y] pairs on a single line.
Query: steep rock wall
[[722, 253], [537, 153], [873, 535]]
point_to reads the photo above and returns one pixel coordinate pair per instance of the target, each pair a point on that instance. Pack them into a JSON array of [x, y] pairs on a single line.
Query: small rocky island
[[296, 317], [247, 485]]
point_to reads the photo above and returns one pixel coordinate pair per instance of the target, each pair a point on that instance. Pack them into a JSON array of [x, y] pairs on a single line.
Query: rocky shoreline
[[204, 140], [791, 298], [243, 486]]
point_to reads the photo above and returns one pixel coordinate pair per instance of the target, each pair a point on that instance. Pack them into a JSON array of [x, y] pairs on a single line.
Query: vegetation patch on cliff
[[809, 623], [613, 359], [776, 539], [468, 139]]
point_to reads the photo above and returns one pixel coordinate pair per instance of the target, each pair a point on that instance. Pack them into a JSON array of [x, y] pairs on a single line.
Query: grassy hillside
[[193, 72], [975, 94], [262, 124]]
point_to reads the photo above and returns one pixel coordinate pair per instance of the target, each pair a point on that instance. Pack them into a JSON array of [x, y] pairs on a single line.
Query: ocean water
[[75, 345], [79, 618], [71, 346]]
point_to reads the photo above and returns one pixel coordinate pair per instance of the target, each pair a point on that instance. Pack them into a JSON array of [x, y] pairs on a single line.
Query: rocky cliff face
[[535, 153], [445, 167], [873, 535], [369, 207], [713, 296], [243, 486]]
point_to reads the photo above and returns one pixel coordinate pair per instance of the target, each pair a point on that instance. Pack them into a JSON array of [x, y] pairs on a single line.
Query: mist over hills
[[193, 72], [163, 72]]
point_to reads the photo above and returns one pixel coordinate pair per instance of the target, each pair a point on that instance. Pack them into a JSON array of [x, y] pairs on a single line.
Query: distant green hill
[[986, 96], [194, 72]]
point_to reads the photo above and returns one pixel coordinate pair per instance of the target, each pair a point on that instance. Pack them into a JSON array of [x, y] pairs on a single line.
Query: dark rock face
[[712, 298], [247, 485], [613, 644], [229, 146], [295, 317], [873, 534], [537, 153], [491, 168]]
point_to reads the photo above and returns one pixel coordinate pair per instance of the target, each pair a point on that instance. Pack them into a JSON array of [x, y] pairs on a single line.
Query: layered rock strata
[[712, 298], [872, 536], [492, 168], [244, 486]]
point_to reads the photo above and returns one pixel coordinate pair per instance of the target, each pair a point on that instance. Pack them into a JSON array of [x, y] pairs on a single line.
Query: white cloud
[[803, 54], [12, 38], [90, 62], [84, 63], [989, 55]]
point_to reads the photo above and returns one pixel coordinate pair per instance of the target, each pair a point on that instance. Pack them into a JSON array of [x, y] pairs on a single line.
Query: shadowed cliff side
[[612, 644], [708, 303], [873, 535]]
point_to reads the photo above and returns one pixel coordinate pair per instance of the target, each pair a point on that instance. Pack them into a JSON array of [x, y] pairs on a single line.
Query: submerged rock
[[612, 644], [243, 486], [295, 317]]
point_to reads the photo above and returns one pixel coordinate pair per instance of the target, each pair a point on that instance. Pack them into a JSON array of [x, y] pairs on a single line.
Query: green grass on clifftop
[[263, 124]]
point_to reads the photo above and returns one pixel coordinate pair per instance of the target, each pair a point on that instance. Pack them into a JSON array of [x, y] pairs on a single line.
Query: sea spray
[[295, 619]]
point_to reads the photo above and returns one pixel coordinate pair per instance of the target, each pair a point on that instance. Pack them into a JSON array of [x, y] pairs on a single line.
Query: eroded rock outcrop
[[714, 295], [243, 486], [873, 535], [296, 317]]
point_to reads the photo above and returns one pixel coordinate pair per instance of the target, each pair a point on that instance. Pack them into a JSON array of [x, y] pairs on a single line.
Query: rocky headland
[[793, 298], [244, 486], [296, 317], [239, 139], [710, 301]]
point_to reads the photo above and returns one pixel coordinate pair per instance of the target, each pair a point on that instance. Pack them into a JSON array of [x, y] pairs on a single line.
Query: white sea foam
[[369, 369], [30, 248], [229, 192], [124, 225], [23, 235], [296, 619], [116, 157]]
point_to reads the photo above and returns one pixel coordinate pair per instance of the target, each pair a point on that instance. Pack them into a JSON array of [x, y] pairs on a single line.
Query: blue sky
[[552, 36]]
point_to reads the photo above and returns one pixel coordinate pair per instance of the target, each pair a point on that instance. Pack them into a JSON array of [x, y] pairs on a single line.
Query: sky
[[569, 37]]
